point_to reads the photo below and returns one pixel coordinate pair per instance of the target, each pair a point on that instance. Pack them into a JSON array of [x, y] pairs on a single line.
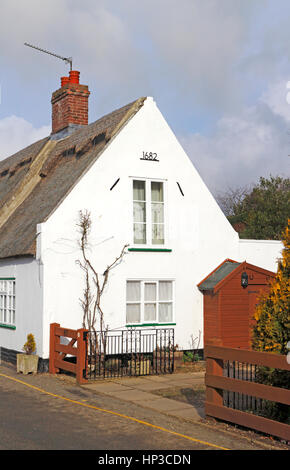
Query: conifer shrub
[[30, 345], [271, 332]]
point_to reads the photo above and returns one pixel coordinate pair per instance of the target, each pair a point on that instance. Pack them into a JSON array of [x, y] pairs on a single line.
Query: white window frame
[[148, 204], [158, 302], [7, 301]]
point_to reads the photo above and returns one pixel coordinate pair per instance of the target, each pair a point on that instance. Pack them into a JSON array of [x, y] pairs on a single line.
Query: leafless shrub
[[95, 283]]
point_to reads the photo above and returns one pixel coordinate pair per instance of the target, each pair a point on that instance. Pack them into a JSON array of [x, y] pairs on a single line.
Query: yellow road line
[[115, 413]]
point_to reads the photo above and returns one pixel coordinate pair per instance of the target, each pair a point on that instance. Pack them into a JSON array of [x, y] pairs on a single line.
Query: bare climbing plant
[[95, 283]]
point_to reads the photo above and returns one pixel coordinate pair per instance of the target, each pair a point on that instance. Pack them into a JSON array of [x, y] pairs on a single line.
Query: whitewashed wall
[[200, 237], [28, 276], [263, 253]]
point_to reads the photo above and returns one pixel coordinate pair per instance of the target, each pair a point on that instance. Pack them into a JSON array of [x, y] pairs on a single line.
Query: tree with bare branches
[[95, 283], [232, 197]]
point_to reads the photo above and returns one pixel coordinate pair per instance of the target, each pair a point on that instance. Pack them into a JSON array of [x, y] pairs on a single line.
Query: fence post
[[53, 340], [81, 356], [213, 396]]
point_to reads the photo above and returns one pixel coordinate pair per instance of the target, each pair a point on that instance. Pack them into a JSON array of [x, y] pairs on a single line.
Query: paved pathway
[[138, 390]]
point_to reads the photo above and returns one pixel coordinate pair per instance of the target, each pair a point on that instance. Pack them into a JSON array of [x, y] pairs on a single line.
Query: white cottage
[[131, 173]]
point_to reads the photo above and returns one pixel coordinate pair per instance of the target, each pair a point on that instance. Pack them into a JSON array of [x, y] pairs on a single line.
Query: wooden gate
[[76, 348]]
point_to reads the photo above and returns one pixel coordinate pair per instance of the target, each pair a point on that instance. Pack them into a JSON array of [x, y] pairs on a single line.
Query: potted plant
[[27, 363]]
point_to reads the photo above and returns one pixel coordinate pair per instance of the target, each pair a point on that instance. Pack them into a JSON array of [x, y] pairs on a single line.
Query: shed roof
[[34, 181], [225, 271], [216, 276]]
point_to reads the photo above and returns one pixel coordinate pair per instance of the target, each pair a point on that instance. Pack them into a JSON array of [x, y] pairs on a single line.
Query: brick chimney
[[70, 104]]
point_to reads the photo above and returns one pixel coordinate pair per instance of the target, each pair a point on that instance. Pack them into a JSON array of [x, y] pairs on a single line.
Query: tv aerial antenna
[[68, 60]]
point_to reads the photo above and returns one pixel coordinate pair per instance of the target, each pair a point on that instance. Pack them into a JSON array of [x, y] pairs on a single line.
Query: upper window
[[148, 212], [149, 301], [7, 301]]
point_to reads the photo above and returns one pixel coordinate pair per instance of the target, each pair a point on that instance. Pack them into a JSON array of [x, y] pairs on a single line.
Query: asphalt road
[[33, 420]]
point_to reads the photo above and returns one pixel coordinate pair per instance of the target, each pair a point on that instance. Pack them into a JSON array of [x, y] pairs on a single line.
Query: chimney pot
[[64, 81], [74, 76]]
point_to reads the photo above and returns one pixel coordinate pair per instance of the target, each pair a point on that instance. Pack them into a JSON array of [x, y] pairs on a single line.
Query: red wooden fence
[[215, 384], [77, 347]]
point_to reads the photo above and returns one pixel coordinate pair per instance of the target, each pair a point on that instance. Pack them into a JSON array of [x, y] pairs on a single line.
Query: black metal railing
[[132, 352], [236, 400]]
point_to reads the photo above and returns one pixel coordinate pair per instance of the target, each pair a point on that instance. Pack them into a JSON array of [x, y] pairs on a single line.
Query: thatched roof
[[34, 181]]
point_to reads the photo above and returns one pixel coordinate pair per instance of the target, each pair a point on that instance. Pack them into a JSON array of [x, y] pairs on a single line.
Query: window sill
[[138, 325], [10, 327], [164, 250]]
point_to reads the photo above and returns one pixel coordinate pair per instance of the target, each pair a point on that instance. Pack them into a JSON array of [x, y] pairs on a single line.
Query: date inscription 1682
[[149, 156]]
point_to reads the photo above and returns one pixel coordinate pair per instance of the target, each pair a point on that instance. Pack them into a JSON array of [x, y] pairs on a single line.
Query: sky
[[217, 69]]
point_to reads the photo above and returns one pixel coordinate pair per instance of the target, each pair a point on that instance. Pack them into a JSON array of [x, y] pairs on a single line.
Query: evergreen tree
[[260, 211], [272, 330]]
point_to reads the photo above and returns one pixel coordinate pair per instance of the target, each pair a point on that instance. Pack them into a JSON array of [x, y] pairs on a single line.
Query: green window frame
[[7, 302]]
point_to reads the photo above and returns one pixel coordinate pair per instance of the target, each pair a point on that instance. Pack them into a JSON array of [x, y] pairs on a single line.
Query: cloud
[[94, 35], [216, 68], [17, 133], [191, 48], [200, 44], [276, 96], [243, 147], [189, 55]]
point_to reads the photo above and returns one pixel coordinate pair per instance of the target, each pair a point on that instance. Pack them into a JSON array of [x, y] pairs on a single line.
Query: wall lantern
[[244, 279]]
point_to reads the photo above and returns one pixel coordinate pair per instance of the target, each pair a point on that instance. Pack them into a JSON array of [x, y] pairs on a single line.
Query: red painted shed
[[228, 306]]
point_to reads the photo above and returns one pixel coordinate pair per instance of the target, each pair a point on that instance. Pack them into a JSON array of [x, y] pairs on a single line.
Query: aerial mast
[[68, 60]]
